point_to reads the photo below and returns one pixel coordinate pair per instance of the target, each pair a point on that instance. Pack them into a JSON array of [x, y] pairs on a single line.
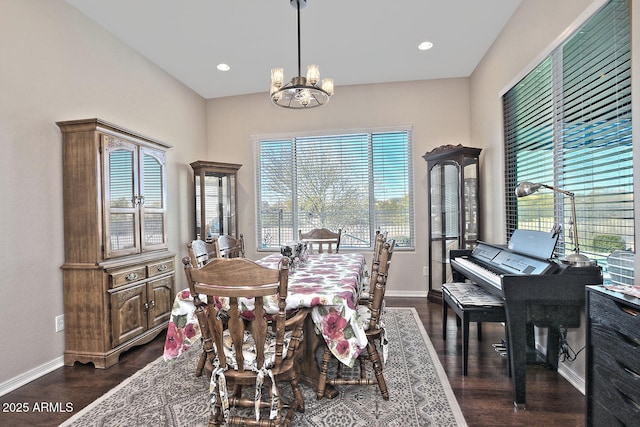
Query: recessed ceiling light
[[425, 45], [223, 67]]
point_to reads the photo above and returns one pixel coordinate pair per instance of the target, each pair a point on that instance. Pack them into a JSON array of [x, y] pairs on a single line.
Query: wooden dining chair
[[267, 343], [230, 247], [370, 312], [201, 252], [378, 244], [321, 237]]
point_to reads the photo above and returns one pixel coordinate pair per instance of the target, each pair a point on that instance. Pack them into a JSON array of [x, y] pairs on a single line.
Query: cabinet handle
[[141, 199], [162, 267], [131, 276], [146, 306], [153, 304]]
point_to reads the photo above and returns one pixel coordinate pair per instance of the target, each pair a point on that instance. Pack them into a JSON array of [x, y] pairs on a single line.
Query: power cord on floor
[[566, 353]]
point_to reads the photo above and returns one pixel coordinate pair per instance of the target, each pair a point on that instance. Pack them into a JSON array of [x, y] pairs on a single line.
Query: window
[[359, 182], [568, 125]]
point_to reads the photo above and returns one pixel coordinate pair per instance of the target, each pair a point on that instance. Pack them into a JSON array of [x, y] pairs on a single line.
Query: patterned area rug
[[168, 394]]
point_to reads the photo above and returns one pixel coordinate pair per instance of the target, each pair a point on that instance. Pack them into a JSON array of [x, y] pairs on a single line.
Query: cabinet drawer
[[616, 351], [161, 267], [616, 315], [124, 277], [618, 396]]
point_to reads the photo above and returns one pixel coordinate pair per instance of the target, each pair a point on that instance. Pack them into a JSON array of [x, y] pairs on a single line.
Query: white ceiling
[[352, 41]]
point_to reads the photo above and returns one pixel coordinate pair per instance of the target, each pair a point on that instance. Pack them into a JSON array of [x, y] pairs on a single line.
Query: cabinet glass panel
[[215, 199], [153, 201], [121, 188], [122, 198], [152, 183], [471, 202], [122, 231], [153, 229], [445, 211], [219, 205]]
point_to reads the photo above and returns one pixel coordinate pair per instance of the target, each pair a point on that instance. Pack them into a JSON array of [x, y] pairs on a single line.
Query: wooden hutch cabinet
[[453, 208], [216, 199], [118, 273]]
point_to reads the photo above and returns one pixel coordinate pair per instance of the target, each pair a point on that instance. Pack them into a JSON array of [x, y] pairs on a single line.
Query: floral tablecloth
[[328, 283]]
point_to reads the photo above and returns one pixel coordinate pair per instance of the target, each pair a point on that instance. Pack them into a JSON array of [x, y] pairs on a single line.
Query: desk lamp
[[576, 259]]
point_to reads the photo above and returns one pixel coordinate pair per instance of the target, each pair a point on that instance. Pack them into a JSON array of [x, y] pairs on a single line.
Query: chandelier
[[301, 92]]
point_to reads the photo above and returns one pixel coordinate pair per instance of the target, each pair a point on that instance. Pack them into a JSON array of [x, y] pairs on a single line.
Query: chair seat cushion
[[249, 350], [364, 314]]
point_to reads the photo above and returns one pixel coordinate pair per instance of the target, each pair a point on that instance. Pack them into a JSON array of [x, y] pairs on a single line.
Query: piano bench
[[471, 303]]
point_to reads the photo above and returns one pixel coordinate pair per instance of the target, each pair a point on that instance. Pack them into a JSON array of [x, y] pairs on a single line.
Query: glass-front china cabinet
[[216, 199], [118, 272], [453, 208]]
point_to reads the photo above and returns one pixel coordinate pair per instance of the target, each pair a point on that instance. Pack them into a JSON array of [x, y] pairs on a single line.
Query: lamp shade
[[526, 188]]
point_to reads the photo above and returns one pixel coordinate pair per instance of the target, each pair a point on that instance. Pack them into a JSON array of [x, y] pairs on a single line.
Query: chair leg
[[322, 380], [377, 368], [216, 419], [296, 405], [298, 399], [445, 309], [201, 363], [374, 357], [465, 342]]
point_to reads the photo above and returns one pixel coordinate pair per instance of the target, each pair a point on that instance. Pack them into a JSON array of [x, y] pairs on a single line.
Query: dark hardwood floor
[[485, 394]]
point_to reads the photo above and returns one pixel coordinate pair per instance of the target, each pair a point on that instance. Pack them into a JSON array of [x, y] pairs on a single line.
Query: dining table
[[328, 285]]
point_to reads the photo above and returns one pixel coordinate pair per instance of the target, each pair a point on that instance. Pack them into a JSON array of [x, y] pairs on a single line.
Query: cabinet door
[[153, 201], [121, 198], [128, 313], [444, 221], [160, 301]]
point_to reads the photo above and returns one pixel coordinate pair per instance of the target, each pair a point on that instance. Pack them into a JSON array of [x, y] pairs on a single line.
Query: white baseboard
[[573, 378], [568, 374], [412, 294], [35, 373]]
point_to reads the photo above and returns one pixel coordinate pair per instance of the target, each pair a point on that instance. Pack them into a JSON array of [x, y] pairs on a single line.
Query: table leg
[[516, 313], [308, 368]]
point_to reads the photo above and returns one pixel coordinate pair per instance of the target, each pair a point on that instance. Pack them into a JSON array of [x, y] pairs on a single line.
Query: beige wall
[[58, 65], [438, 111]]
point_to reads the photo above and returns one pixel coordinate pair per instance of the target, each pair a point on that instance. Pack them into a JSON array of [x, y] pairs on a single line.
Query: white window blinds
[[568, 124], [359, 182]]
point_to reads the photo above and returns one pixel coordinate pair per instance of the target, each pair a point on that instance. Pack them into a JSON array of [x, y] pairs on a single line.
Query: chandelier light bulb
[[327, 86], [277, 77], [304, 96], [313, 74]]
